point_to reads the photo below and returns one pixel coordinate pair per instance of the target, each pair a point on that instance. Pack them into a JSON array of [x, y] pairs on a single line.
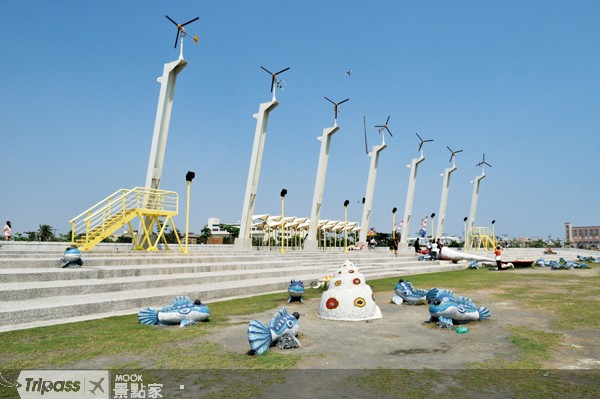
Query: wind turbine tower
[[445, 188], [374, 154], [244, 240], [475, 197], [410, 194], [311, 243]]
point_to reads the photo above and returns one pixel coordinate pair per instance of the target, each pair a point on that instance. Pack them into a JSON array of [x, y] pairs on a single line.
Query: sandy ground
[[398, 340], [402, 340]]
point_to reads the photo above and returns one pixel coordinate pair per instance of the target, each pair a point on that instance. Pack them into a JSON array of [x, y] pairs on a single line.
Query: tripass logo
[[64, 384]]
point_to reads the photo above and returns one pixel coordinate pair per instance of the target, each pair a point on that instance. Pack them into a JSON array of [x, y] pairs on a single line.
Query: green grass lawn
[[130, 345]]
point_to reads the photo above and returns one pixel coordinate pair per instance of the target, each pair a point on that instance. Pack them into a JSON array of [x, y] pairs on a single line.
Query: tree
[[234, 232], [45, 232], [31, 235], [171, 238], [205, 234]]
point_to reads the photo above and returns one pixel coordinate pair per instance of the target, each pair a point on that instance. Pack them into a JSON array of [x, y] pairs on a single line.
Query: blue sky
[[518, 81]]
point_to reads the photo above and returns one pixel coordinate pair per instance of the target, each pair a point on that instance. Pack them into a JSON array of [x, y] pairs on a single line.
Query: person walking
[[7, 230]]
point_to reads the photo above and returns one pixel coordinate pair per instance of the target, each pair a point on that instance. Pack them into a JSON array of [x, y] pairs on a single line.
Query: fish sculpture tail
[[148, 316], [259, 337], [484, 313]]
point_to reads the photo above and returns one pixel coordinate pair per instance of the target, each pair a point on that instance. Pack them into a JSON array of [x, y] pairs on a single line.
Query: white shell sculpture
[[348, 298]]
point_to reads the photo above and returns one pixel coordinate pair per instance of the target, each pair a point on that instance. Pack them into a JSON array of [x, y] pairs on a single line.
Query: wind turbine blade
[[456, 152], [283, 70], [190, 21], [169, 18], [341, 102], [427, 141], [330, 101], [266, 70], [176, 39], [273, 80], [388, 119], [450, 149], [388, 129]]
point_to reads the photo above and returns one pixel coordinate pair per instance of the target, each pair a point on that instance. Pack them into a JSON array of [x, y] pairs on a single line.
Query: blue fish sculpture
[[554, 265], [296, 291], [183, 312], [282, 324], [446, 310], [72, 257], [406, 293], [542, 262]]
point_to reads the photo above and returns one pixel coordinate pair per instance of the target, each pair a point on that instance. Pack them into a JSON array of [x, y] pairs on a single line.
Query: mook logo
[[64, 384]]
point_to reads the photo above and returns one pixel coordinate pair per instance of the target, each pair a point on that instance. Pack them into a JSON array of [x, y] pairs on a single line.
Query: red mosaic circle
[[356, 281], [332, 303]]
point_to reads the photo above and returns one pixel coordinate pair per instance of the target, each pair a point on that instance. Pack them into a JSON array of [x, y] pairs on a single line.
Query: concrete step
[[42, 289], [33, 293]]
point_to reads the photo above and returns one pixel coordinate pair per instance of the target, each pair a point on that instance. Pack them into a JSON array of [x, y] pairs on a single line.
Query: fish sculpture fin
[[259, 337], [181, 301], [280, 314], [186, 322], [463, 300], [484, 313], [421, 292], [148, 316]]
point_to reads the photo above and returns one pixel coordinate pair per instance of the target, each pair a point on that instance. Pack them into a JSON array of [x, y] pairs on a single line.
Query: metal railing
[[115, 209]]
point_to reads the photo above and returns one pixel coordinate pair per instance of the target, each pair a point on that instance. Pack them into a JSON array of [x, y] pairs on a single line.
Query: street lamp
[[465, 233], [283, 193], [346, 225], [394, 209], [493, 235], [432, 227], [189, 176]]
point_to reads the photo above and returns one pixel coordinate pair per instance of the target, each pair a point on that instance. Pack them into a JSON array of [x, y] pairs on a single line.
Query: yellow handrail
[[114, 209]]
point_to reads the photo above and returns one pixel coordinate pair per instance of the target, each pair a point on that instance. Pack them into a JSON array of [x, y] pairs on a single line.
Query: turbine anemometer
[[422, 141], [384, 127], [452, 153], [335, 106], [274, 81], [483, 163], [181, 31]]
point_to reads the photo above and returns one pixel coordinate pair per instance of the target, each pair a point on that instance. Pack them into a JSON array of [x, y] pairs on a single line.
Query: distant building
[[583, 236]]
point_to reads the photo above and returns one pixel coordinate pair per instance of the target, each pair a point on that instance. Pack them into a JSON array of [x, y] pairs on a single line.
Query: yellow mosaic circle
[[360, 302], [338, 283]]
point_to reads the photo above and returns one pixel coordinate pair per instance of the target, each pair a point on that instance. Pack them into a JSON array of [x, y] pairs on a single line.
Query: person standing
[[434, 250], [498, 257], [7, 230], [395, 245]]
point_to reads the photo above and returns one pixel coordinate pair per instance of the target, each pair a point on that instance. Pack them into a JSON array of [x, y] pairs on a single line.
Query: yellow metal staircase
[[152, 207], [482, 236]]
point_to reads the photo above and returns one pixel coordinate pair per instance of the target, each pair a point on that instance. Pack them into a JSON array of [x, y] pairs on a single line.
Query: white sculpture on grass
[[348, 297]]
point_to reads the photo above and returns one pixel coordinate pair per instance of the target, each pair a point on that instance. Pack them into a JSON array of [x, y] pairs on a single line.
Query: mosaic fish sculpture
[[71, 258], [588, 259], [566, 265], [183, 312], [296, 291], [446, 310], [406, 293], [282, 325]]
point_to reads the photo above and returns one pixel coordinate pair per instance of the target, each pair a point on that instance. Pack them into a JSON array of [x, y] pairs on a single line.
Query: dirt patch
[[399, 340]]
